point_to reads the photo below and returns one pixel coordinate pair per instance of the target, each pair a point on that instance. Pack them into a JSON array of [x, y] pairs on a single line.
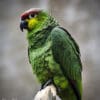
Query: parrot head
[[32, 19]]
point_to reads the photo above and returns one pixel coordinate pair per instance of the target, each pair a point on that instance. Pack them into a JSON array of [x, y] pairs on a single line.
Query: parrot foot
[[49, 82]]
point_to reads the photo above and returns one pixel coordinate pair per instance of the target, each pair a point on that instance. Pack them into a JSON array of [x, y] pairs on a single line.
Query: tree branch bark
[[48, 93]]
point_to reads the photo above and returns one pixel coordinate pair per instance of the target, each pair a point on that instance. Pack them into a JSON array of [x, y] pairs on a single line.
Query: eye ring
[[32, 15]]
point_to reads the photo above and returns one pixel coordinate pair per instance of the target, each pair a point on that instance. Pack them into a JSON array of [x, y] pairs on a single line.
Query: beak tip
[[21, 30], [21, 27]]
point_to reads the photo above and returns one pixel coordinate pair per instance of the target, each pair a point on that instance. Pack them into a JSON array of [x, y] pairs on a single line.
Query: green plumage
[[54, 54]]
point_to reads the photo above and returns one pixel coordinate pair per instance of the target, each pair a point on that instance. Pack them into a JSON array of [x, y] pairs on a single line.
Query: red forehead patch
[[30, 11]]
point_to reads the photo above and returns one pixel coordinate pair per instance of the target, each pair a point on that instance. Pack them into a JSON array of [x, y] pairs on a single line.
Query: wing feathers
[[66, 53]]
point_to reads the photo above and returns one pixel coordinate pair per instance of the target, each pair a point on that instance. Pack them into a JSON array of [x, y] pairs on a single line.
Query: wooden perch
[[48, 93]]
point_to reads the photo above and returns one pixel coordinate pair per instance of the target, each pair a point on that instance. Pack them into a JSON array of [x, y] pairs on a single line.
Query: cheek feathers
[[32, 23]]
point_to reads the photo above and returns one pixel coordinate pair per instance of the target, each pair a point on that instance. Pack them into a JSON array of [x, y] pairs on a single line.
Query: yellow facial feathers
[[32, 22]]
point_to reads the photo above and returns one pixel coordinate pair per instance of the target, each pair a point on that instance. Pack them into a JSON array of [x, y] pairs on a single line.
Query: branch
[[48, 93]]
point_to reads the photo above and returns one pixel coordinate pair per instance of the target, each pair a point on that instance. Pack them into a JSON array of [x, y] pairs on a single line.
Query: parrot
[[53, 53]]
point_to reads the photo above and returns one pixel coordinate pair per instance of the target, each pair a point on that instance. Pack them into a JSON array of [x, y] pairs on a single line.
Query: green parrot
[[53, 54]]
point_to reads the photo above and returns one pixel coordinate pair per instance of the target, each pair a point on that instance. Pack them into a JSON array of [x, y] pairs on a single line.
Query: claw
[[49, 82]]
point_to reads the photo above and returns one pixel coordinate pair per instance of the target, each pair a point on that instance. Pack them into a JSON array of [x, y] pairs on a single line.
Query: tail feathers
[[67, 94], [73, 92], [77, 88]]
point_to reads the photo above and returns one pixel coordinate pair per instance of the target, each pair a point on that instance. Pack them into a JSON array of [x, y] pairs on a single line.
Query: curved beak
[[23, 25]]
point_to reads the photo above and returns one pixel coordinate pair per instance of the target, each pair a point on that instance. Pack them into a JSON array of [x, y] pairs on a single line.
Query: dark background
[[80, 17]]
